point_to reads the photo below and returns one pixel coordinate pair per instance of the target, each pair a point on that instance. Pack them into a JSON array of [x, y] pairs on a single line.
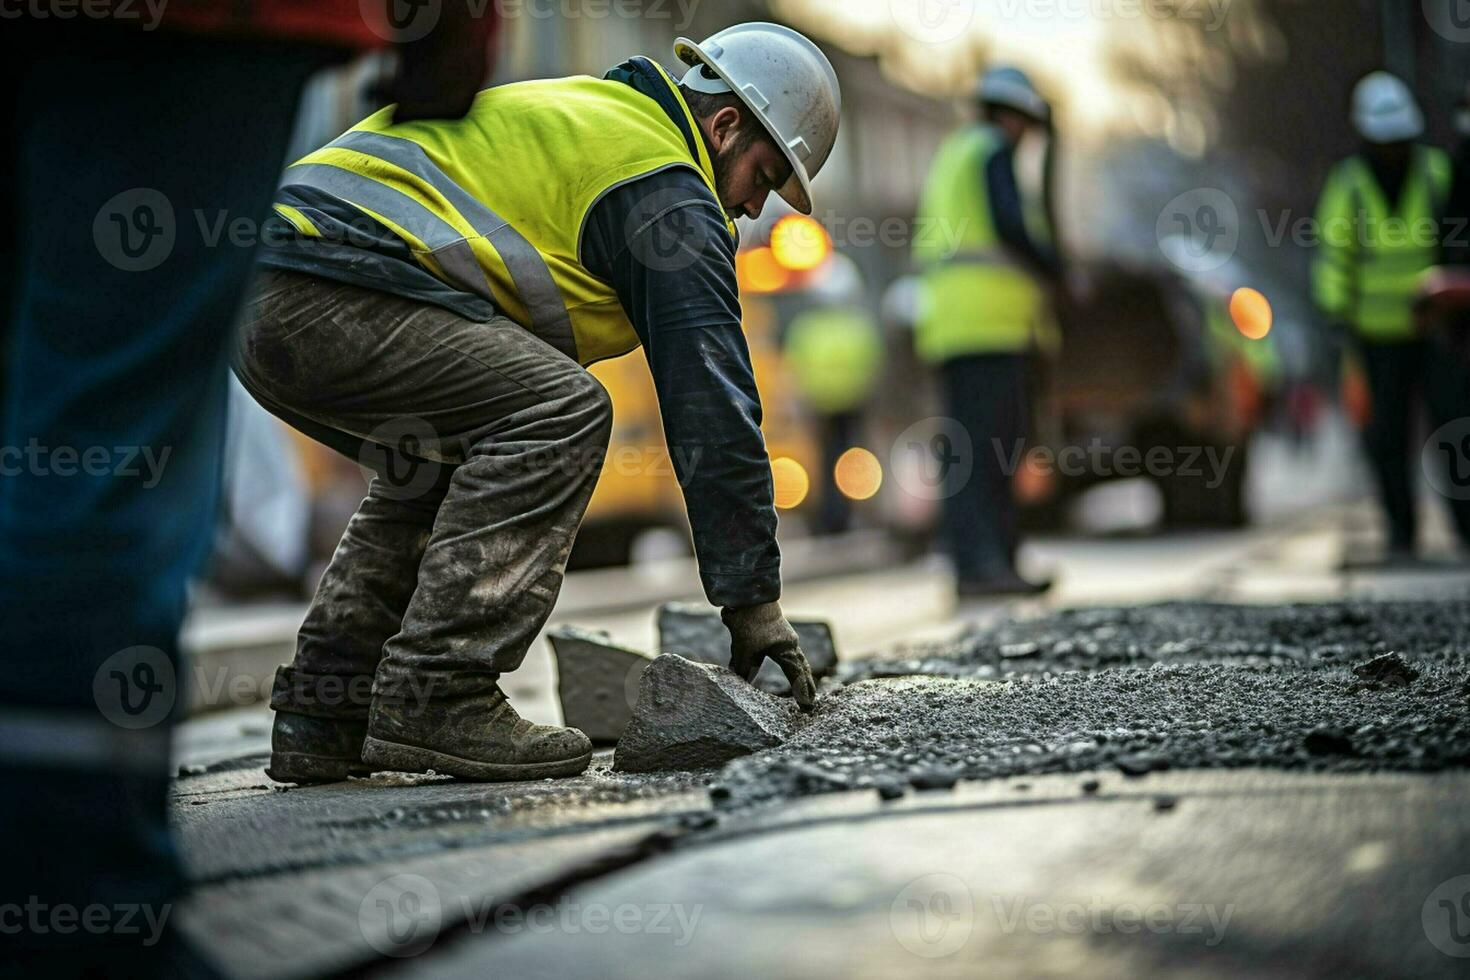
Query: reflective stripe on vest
[[79, 740], [495, 204], [533, 281]]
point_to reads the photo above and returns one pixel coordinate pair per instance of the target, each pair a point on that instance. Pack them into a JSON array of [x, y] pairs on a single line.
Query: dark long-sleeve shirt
[[661, 241], [1008, 214], [688, 318]]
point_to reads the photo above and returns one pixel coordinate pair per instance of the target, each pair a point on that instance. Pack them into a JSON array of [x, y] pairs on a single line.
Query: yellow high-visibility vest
[[975, 298], [1371, 257], [494, 204]]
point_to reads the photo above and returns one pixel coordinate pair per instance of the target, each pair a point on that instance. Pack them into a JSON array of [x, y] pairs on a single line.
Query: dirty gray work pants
[[487, 443]]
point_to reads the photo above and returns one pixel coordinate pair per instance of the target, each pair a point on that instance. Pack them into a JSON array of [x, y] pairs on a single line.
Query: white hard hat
[[1011, 87], [787, 84], [1384, 110]]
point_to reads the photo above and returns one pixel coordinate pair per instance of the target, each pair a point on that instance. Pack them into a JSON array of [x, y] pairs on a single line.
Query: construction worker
[[834, 352], [441, 291], [1379, 219], [119, 387], [982, 308]]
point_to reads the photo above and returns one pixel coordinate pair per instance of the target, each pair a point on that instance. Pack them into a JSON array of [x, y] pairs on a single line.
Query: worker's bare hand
[[758, 633]]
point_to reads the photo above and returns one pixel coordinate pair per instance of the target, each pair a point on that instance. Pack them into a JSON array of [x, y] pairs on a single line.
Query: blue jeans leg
[[126, 152]]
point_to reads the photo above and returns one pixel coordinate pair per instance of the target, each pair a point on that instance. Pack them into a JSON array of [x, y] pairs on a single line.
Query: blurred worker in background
[[117, 317], [431, 311], [984, 305], [834, 352], [1379, 216]]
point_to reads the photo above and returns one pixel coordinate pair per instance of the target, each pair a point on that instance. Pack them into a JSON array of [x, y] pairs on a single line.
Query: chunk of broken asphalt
[[1328, 741], [596, 681], [889, 789], [697, 716], [1388, 670], [1142, 764], [696, 633], [934, 778]]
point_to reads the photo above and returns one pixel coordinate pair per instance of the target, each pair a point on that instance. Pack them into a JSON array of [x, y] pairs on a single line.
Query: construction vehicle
[[1155, 361]]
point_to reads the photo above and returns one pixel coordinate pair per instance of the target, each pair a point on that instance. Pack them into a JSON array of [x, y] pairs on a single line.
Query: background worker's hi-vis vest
[[976, 299], [1371, 258], [494, 203]]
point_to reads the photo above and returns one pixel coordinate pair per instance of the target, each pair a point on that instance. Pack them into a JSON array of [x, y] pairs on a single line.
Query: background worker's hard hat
[[1012, 88], [1384, 110], [785, 81]]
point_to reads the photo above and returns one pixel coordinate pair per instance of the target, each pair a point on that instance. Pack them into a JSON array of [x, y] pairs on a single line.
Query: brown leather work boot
[[479, 737]]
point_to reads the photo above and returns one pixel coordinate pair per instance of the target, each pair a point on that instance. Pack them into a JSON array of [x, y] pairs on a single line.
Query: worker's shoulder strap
[[651, 79]]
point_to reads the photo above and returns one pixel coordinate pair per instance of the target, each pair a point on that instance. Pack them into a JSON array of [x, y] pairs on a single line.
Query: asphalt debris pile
[[1186, 632], [1342, 687]]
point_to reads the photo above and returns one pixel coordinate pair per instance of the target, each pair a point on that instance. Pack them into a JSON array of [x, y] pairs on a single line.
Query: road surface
[[1281, 863]]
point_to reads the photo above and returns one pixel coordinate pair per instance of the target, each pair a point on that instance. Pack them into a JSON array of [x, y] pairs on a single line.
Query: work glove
[[761, 632]]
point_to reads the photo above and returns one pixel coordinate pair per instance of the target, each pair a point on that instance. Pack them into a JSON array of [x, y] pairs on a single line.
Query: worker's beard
[[725, 161]]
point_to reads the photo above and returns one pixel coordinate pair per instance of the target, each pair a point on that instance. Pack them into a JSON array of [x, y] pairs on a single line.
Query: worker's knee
[[590, 408]]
